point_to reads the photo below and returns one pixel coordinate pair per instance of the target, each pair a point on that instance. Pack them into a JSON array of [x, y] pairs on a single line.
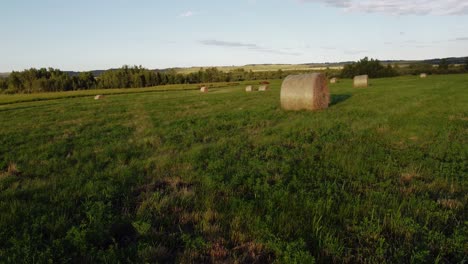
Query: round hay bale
[[423, 75], [361, 81], [334, 80], [249, 88], [263, 88], [98, 97], [204, 89], [305, 92]]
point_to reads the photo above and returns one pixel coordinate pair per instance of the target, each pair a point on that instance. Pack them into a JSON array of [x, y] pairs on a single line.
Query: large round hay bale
[[305, 92], [263, 88], [204, 89], [334, 80], [249, 88], [98, 97], [423, 75], [361, 81]]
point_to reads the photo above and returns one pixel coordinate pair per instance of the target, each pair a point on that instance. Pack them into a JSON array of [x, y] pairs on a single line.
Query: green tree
[[86, 80], [371, 67], [15, 84], [3, 85], [443, 64], [279, 74]]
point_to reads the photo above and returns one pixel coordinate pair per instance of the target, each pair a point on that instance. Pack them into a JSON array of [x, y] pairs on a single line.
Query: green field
[[286, 67], [180, 176], [262, 68], [20, 98]]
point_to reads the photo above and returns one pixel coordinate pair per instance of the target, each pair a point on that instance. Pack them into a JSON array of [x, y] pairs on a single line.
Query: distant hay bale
[[334, 80], [249, 88], [98, 97], [361, 81], [305, 92], [263, 88], [204, 89], [423, 75]]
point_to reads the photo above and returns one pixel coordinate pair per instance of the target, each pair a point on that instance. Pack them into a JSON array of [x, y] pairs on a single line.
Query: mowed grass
[[19, 98], [380, 176]]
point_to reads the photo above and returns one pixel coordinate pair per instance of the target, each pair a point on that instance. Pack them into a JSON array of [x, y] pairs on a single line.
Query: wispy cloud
[[355, 52], [221, 43], [412, 43], [400, 7], [338, 3], [187, 14], [250, 46], [460, 39]]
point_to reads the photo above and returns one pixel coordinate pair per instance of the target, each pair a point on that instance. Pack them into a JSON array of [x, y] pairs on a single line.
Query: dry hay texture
[[361, 81], [423, 75], [204, 89], [249, 88], [305, 92], [263, 88], [333, 80]]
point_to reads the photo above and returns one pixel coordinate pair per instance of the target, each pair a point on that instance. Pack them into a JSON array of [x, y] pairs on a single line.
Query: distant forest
[[54, 80]]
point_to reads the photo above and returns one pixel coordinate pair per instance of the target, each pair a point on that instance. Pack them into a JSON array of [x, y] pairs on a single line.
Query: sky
[[101, 34]]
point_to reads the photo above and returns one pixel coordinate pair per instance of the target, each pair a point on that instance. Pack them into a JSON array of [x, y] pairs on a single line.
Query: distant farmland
[[260, 68], [321, 66]]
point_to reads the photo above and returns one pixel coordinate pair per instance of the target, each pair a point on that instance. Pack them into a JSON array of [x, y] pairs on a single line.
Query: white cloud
[[460, 39], [355, 52], [250, 46], [187, 14], [400, 7], [213, 42]]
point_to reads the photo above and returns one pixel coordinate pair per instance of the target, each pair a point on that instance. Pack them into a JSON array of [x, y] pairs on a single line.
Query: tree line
[[46, 80], [136, 77], [371, 67], [375, 69], [54, 80]]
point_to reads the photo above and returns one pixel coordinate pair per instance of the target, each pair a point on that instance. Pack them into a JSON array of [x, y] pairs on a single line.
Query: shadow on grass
[[338, 98]]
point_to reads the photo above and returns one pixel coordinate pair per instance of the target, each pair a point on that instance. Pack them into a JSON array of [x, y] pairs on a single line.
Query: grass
[[381, 176], [19, 98]]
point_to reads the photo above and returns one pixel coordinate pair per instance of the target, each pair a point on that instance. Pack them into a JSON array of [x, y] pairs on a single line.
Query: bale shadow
[[338, 98]]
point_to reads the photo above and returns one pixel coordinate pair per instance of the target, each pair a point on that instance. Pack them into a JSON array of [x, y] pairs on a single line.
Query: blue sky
[[92, 34]]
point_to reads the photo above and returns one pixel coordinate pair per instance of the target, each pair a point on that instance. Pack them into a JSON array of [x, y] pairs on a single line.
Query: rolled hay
[[263, 88], [98, 97], [305, 92], [204, 89], [361, 81], [423, 75], [333, 80], [249, 88]]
